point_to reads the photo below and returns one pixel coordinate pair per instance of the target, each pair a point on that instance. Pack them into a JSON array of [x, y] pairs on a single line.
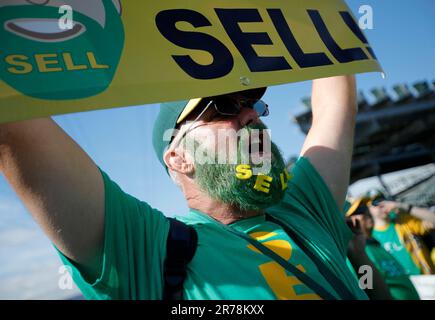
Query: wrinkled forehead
[[93, 9]]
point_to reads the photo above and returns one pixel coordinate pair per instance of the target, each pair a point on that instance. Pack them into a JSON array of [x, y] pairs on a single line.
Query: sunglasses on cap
[[232, 107], [227, 107]]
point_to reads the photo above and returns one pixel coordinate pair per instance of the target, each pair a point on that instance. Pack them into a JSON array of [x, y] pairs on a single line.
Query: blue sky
[[119, 140]]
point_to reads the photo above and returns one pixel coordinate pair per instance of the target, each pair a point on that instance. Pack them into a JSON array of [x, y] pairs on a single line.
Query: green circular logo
[[53, 51]]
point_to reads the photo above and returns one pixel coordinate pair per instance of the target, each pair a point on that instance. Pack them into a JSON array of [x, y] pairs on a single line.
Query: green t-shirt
[[224, 266], [398, 282], [390, 240]]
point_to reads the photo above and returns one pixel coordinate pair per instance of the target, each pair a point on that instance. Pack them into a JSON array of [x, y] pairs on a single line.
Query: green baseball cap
[[173, 113]]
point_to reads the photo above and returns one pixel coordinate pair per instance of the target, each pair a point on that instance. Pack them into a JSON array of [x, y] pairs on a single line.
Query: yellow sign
[[117, 53]]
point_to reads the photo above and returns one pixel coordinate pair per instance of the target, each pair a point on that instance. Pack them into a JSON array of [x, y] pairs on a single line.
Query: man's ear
[[179, 160]]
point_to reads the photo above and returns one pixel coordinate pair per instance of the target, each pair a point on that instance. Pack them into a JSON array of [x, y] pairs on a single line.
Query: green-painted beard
[[219, 181], [104, 45]]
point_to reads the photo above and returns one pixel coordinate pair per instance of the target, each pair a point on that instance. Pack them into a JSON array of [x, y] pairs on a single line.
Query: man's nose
[[247, 116]]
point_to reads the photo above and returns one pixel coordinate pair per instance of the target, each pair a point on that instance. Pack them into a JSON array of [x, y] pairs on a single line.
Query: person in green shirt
[[399, 227], [395, 276], [116, 245]]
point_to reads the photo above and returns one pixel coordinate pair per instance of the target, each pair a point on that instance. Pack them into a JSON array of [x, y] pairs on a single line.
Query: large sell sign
[[120, 53]]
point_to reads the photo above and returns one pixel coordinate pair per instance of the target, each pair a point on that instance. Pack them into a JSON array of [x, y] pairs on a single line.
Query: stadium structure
[[394, 136]]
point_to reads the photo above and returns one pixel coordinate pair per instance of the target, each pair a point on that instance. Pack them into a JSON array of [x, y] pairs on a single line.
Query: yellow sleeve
[[414, 225]]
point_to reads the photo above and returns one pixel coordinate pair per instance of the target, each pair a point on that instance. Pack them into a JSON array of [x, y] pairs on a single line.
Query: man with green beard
[[233, 182], [263, 233]]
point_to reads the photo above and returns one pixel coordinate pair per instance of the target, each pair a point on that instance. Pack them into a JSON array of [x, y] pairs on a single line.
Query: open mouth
[[43, 30]]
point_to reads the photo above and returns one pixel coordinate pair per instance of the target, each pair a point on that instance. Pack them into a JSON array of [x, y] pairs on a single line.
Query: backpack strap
[[338, 285], [304, 278], [180, 249]]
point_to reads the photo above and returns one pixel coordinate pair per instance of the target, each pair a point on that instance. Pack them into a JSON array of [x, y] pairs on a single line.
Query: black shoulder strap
[[304, 278], [180, 249], [337, 283]]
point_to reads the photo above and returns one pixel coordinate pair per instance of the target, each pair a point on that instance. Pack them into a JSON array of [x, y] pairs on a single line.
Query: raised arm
[[58, 183], [329, 143], [403, 208]]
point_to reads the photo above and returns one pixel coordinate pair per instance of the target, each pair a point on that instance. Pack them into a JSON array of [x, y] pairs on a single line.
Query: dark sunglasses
[[228, 107], [232, 107]]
